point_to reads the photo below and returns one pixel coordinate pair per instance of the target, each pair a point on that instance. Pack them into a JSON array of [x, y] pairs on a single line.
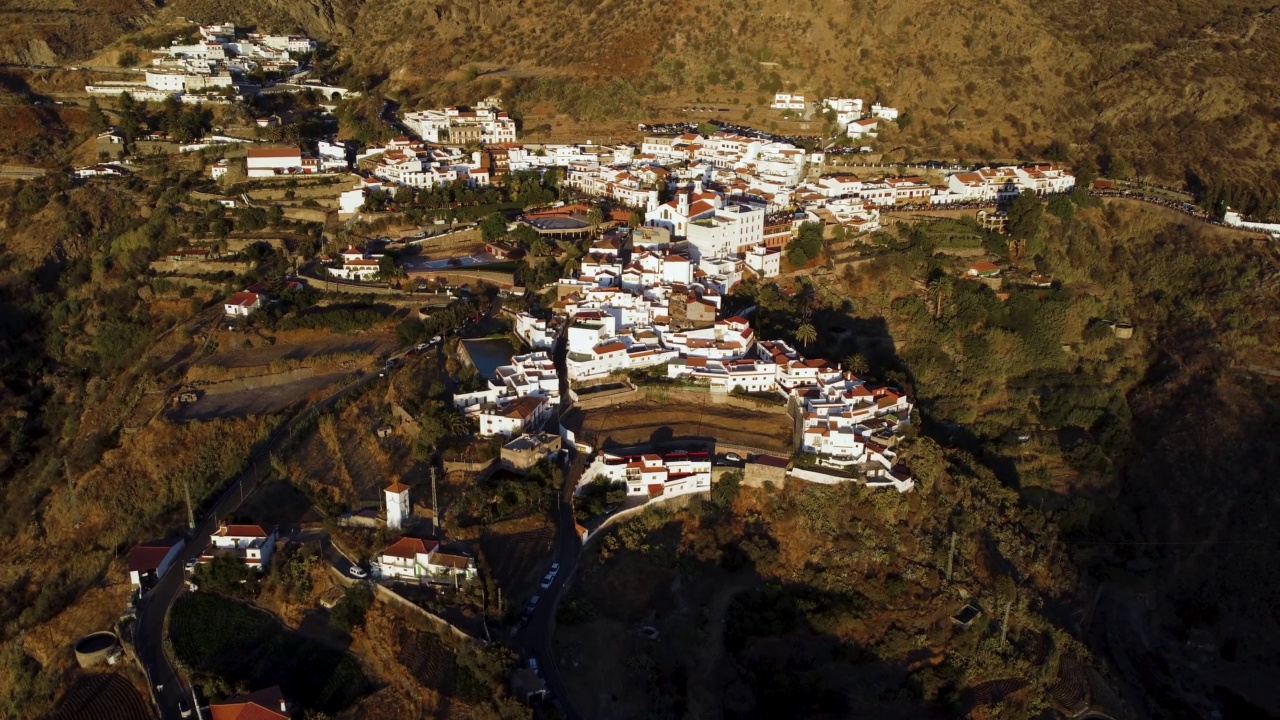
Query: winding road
[[149, 629]]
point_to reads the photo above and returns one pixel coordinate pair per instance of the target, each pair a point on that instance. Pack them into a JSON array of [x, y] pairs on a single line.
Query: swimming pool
[[467, 261]]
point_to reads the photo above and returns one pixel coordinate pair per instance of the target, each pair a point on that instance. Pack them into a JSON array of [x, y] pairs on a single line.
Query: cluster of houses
[[848, 112], [517, 399], [214, 67], [487, 123]]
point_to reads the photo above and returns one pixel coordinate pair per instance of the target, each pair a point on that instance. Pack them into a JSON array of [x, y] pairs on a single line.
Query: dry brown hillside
[[1171, 86]]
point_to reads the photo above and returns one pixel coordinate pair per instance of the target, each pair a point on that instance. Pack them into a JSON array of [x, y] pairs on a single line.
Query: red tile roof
[[148, 556], [410, 547], [259, 705], [273, 152], [243, 299]]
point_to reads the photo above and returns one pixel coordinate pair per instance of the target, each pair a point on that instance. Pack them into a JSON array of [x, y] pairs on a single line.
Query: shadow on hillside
[[754, 647]]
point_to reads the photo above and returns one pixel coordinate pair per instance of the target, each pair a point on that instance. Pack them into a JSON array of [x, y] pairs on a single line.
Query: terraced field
[[100, 696]]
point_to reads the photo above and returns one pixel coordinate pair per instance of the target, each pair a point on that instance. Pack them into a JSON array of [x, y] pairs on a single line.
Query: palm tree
[[456, 423], [939, 289], [806, 334], [857, 364], [538, 246]]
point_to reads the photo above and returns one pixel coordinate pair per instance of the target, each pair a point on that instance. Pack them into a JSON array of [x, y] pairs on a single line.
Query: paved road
[[149, 630], [536, 640]]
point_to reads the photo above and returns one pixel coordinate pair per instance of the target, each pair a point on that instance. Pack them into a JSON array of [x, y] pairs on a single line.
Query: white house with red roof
[[243, 303], [653, 475], [251, 544], [271, 161], [149, 561], [675, 214], [399, 508], [419, 560], [265, 704], [356, 265], [512, 417], [866, 127]]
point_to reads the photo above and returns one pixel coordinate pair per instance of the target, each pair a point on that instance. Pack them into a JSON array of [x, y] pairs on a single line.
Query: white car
[[547, 580], [732, 457], [357, 572], [191, 565], [422, 346]]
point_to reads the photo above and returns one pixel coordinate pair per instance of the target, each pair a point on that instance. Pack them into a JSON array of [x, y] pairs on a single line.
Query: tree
[[595, 215], [388, 269], [806, 334], [493, 227], [97, 119], [637, 218], [1026, 217], [128, 58], [707, 129], [857, 364]]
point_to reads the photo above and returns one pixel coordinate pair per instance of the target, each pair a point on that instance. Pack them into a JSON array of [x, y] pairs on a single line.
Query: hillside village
[[621, 283]]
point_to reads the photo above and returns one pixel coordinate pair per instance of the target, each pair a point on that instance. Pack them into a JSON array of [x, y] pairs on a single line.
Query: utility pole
[[1004, 624], [191, 516], [75, 500], [435, 507], [951, 555]]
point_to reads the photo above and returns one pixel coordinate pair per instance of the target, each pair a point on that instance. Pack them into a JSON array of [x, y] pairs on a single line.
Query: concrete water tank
[[94, 648]]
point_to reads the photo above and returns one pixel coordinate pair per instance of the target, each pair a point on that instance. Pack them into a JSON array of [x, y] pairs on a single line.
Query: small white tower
[[398, 507]]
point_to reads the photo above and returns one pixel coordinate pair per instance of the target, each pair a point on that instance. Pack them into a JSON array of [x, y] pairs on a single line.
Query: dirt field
[[648, 421], [285, 349], [241, 401]]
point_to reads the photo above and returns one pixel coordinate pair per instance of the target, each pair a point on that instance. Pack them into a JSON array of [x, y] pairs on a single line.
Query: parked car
[[436, 339], [533, 664], [357, 572], [555, 568], [422, 346], [531, 606], [190, 565], [184, 708], [411, 352], [547, 580], [733, 457]]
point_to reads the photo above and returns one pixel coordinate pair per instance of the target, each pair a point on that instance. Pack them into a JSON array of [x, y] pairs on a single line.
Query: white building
[[729, 230], [399, 509], [149, 561], [251, 544], [884, 112], [764, 261], [652, 475], [1235, 219], [843, 105], [271, 161], [421, 561], [528, 375], [459, 125], [865, 127], [514, 416], [357, 265], [243, 303], [787, 101], [538, 333]]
